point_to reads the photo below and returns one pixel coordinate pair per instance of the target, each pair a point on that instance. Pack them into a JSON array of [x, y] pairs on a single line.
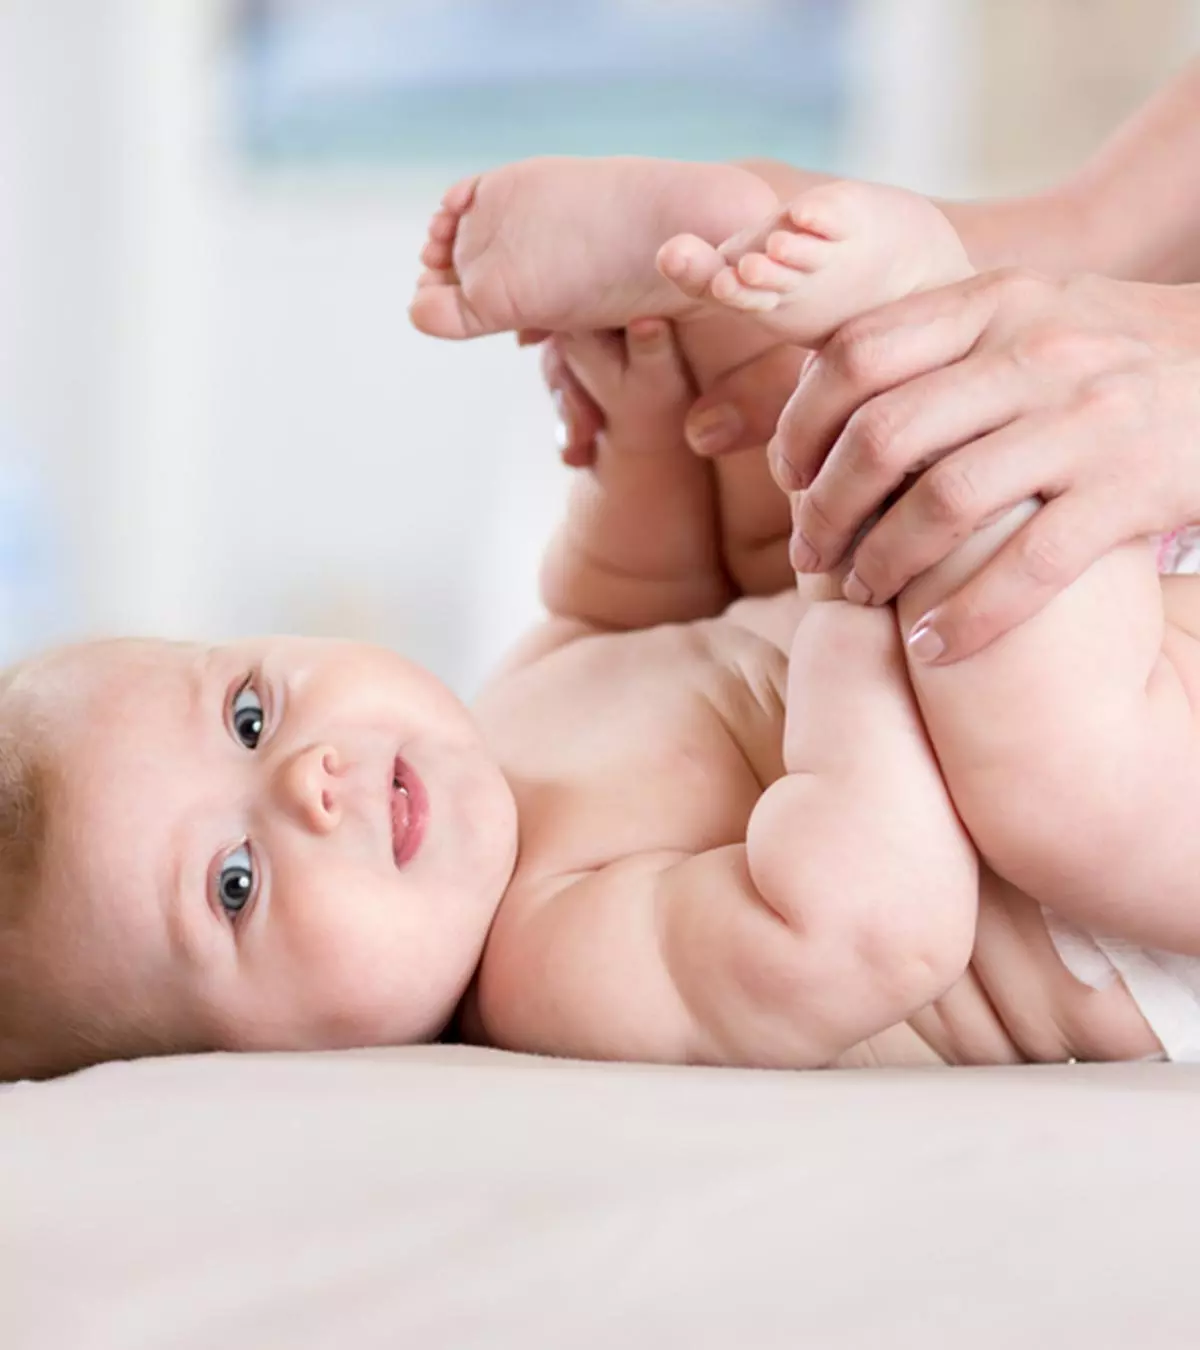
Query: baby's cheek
[[371, 963]]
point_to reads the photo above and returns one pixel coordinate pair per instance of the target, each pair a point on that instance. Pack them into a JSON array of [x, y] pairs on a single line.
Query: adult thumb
[[742, 408]]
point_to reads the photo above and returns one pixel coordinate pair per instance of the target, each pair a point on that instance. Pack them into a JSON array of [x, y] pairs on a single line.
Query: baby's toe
[[689, 263], [729, 289], [763, 273], [799, 252], [440, 310], [750, 240], [461, 195], [437, 254], [833, 210], [444, 225]]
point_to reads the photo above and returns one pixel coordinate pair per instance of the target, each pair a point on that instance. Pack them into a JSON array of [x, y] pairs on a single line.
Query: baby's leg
[[834, 252], [1071, 748], [568, 245]]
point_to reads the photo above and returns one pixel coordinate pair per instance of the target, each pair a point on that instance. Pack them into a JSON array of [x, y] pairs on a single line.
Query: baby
[[748, 832]]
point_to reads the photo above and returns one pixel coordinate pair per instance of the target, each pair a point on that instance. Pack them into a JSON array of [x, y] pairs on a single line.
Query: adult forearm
[[1137, 201], [1131, 211]]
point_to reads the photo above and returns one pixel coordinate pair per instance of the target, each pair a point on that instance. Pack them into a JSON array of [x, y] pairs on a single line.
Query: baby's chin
[[475, 833], [401, 1022]]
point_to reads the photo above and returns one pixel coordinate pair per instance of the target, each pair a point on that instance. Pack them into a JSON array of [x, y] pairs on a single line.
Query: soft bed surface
[[447, 1197]]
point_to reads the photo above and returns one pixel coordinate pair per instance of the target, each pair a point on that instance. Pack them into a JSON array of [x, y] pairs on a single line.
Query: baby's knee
[[885, 899]]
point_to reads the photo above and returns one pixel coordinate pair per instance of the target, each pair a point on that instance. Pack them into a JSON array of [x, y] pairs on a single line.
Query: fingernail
[[714, 430], [647, 331], [784, 475], [854, 590], [924, 641], [803, 556]]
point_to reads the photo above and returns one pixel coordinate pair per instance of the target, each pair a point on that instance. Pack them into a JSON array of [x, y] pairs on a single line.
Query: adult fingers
[[1029, 457], [895, 435], [1056, 545], [741, 409], [867, 356], [580, 421]]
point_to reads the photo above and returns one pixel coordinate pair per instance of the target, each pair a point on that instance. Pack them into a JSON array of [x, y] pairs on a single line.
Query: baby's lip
[[408, 805]]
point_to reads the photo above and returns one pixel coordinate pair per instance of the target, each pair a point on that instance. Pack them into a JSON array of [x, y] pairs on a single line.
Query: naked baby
[[683, 824]]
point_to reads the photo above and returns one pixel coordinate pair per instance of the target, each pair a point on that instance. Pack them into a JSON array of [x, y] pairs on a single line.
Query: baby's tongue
[[400, 819]]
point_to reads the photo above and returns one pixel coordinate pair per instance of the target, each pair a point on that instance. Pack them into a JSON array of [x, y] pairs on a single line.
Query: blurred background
[[214, 418]]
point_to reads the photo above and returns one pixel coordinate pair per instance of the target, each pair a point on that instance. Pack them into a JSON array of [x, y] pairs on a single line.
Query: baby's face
[[279, 844]]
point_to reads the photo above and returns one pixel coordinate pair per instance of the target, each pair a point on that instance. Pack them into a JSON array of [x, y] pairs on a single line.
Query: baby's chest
[[641, 748]]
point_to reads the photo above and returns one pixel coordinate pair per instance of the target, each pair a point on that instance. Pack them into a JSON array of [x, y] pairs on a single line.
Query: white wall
[[59, 196], [217, 369], [386, 484]]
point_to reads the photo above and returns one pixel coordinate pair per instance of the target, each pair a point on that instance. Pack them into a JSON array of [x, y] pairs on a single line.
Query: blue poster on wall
[[480, 81]]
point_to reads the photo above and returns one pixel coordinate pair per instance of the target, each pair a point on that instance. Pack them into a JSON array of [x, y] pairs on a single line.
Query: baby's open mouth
[[410, 811]]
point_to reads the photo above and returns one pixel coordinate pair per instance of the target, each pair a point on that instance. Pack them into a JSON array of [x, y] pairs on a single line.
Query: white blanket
[[442, 1198]]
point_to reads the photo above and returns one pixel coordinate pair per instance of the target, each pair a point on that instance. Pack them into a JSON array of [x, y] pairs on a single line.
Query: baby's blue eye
[[246, 716], [235, 882]]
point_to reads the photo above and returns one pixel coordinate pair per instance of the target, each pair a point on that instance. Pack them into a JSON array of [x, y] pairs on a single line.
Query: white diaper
[[1179, 552], [1164, 985]]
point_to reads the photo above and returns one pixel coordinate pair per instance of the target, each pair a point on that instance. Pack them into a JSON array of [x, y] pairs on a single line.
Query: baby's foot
[[838, 250], [569, 244]]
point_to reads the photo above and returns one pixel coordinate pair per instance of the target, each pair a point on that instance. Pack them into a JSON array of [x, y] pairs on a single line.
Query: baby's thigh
[[1054, 736]]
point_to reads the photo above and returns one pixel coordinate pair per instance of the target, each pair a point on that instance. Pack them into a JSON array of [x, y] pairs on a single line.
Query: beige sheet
[[455, 1198]]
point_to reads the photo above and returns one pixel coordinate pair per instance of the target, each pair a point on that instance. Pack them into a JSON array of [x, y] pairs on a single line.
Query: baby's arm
[[639, 543], [1071, 746], [850, 905]]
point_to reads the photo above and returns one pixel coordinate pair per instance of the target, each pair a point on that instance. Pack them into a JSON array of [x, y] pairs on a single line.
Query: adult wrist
[[1043, 231]]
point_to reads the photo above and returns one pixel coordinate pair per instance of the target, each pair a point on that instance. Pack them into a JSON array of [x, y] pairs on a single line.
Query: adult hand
[[740, 410], [1084, 392]]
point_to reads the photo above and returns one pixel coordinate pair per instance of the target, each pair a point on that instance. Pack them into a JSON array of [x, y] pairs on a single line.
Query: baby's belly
[[1016, 1003]]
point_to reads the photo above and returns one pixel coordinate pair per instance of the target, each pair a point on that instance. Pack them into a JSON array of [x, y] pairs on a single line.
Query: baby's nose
[[311, 785]]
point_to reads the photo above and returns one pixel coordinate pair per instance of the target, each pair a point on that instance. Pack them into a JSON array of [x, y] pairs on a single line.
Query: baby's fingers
[[654, 357]]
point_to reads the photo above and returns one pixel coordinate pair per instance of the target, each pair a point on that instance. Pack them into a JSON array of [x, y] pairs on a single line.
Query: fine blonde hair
[[57, 1012], [24, 785]]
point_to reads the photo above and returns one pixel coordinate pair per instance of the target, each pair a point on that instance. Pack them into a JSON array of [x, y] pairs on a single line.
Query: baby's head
[[280, 844]]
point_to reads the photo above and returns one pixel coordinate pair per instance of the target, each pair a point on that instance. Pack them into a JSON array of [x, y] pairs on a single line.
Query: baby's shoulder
[[742, 651], [637, 706]]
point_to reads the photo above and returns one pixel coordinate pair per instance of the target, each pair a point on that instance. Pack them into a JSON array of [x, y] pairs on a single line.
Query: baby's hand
[[639, 545], [635, 380], [624, 391]]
